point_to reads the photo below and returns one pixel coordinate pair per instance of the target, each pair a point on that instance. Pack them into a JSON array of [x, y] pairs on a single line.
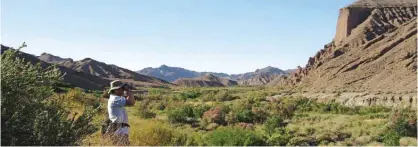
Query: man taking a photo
[[118, 128]]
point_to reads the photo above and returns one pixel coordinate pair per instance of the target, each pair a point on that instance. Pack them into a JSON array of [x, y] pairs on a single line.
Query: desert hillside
[[208, 80], [374, 49], [96, 68], [72, 77], [171, 74], [259, 77]]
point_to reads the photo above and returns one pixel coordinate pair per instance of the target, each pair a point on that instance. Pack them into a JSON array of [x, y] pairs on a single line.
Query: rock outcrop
[[53, 59], [258, 77], [173, 73], [208, 80], [374, 50]]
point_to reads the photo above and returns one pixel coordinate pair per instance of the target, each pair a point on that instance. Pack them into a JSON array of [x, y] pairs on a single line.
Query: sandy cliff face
[[374, 49], [355, 14]]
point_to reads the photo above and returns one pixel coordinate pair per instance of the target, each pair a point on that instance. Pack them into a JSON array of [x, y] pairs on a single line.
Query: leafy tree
[[30, 115]]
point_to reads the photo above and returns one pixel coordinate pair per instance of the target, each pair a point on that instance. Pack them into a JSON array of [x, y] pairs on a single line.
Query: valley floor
[[256, 116]]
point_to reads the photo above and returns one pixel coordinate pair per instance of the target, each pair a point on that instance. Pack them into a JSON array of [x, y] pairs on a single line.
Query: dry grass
[[331, 125]]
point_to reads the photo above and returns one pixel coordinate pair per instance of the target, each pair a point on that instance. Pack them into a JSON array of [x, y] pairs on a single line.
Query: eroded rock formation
[[374, 49]]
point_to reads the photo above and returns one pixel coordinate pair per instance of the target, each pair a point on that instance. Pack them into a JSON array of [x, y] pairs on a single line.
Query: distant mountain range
[[208, 80], [173, 73], [92, 74], [109, 72], [258, 77]]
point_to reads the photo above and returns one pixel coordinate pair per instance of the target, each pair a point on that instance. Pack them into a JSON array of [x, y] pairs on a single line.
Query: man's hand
[[130, 100]]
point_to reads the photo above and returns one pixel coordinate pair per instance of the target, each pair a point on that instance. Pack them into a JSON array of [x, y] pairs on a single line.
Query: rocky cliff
[[374, 50]]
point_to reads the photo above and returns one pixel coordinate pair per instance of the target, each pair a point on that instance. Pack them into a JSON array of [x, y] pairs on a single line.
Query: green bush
[[260, 114], [195, 139], [302, 141], [199, 110], [272, 124], [258, 96], [189, 94], [245, 116], [146, 114], [157, 134], [402, 123], [209, 95], [279, 139], [391, 138], [373, 109], [230, 136], [183, 114], [223, 96], [29, 113]]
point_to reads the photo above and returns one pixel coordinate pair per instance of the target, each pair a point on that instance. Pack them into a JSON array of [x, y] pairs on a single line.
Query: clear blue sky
[[231, 36]]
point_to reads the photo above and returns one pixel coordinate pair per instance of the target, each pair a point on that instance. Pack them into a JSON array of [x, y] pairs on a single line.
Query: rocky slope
[[72, 77], [208, 80], [53, 59], [259, 77], [173, 73], [92, 67], [374, 50]]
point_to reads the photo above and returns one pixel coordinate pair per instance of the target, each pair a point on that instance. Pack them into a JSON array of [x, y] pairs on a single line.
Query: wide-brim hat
[[117, 84]]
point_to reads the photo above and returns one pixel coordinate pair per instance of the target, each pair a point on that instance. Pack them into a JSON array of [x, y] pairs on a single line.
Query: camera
[[128, 86]]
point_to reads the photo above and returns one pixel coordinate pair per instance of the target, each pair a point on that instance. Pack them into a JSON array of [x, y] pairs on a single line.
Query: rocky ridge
[[378, 54], [100, 69], [258, 77], [374, 51], [208, 80]]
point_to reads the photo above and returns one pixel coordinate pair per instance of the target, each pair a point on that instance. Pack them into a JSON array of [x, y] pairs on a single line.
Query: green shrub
[[158, 134], [157, 91], [245, 116], [195, 139], [302, 141], [402, 123], [209, 95], [230, 136], [258, 96], [223, 96], [199, 110], [189, 94], [260, 114], [29, 113], [373, 109], [272, 124], [146, 114], [279, 139], [391, 138], [183, 114], [231, 118]]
